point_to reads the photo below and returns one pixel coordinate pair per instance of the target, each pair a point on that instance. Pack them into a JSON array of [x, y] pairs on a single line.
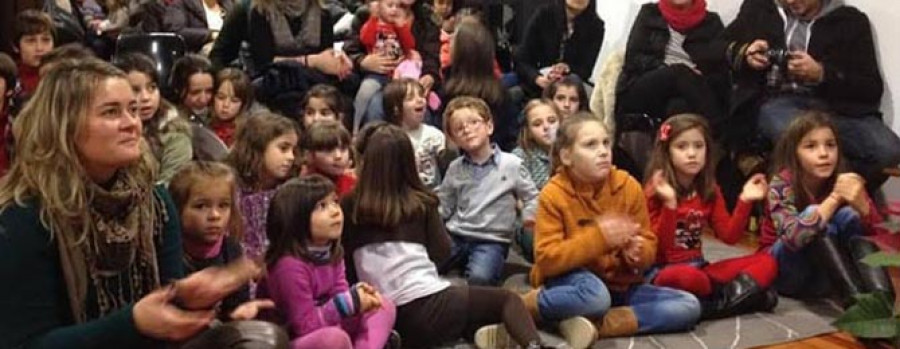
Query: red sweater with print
[[380, 37], [680, 230]]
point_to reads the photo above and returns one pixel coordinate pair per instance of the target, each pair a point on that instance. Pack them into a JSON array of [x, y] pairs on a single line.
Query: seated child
[[326, 146], [233, 98], [404, 106], [684, 200], [322, 102], [593, 242], [33, 39], [205, 195], [306, 273], [479, 193]]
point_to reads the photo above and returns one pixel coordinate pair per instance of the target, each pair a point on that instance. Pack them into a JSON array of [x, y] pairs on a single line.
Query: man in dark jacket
[[793, 55]]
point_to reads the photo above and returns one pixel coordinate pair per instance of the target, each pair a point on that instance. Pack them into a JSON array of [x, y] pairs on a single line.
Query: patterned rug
[[791, 320]]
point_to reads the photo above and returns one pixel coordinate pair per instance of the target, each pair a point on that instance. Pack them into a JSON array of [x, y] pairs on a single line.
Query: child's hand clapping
[[660, 187], [632, 251], [617, 230], [755, 189], [369, 298], [851, 188]]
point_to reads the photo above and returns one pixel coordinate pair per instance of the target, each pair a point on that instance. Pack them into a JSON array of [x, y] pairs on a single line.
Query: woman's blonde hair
[[47, 167]]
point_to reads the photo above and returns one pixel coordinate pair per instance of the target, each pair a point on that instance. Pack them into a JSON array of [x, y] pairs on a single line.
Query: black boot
[[845, 280], [874, 279], [739, 296]]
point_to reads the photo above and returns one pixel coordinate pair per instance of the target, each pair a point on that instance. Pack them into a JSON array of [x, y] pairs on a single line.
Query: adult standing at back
[[793, 55], [562, 38]]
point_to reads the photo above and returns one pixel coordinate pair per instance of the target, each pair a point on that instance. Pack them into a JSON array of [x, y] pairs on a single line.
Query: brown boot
[[618, 322], [530, 299]]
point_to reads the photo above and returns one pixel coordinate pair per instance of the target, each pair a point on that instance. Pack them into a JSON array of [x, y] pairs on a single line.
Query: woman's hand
[[155, 316], [755, 189], [250, 309], [205, 288], [663, 190], [331, 63], [427, 82], [379, 63]]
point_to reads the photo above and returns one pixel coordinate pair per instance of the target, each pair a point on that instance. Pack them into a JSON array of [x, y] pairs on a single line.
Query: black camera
[[778, 56], [778, 59]]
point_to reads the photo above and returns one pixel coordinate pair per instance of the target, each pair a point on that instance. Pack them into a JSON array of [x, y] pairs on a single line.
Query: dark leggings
[[670, 90], [459, 311]]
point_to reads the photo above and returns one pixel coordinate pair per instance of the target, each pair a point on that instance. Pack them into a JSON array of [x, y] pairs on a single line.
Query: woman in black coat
[[191, 19], [674, 62]]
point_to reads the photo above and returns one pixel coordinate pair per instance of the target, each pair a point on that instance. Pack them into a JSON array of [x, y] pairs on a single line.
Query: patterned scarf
[[117, 256], [277, 13]]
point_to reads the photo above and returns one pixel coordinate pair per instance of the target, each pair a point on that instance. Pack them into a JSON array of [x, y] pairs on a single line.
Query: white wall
[[884, 15]]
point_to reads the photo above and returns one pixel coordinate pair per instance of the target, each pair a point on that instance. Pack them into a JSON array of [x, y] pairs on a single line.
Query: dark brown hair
[[395, 94], [32, 22], [465, 102], [389, 190], [785, 154], [568, 81], [240, 83], [332, 96], [141, 63], [566, 134], [251, 140], [288, 222], [660, 158], [183, 69], [183, 183], [472, 63], [526, 139], [325, 135]]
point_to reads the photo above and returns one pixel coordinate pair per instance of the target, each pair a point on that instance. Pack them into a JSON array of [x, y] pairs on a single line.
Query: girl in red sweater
[[683, 201]]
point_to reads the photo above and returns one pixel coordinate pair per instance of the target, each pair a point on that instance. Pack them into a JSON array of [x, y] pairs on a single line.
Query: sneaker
[[493, 337], [578, 331], [393, 341]]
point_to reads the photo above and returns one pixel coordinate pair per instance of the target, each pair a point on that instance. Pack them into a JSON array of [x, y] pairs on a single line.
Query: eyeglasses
[[463, 126]]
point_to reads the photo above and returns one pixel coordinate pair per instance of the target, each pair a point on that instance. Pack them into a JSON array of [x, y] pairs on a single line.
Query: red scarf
[[225, 130], [683, 19]]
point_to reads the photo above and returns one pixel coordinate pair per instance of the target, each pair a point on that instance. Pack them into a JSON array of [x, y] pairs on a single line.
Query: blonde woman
[[86, 241]]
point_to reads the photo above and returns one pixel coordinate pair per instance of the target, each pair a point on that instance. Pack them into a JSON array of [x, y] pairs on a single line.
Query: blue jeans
[[798, 274], [869, 145], [484, 260], [581, 293], [371, 85]]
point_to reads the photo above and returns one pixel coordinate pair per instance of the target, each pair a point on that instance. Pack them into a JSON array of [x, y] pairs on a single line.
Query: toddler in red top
[[385, 32], [684, 200]]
